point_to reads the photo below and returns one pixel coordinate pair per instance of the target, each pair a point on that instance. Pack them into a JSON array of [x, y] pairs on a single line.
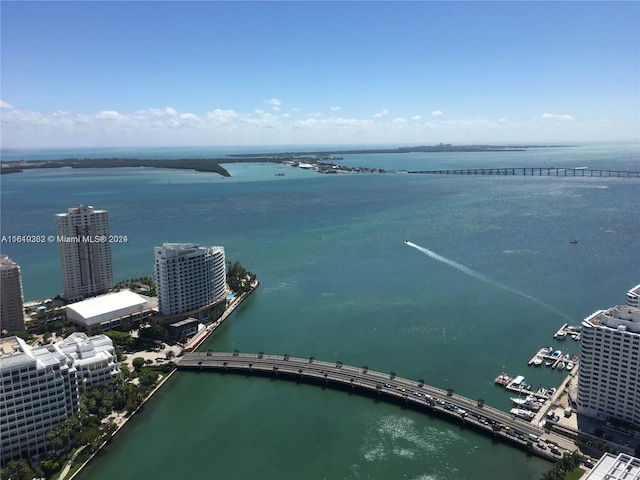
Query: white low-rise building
[[105, 312]]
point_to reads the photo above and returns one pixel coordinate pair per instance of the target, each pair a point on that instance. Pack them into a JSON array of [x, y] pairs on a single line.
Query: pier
[[535, 171], [388, 387]]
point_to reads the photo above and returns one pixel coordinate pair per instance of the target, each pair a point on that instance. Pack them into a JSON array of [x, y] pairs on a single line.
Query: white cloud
[[437, 113], [167, 126], [110, 115], [335, 108], [4, 104], [274, 102], [557, 117]]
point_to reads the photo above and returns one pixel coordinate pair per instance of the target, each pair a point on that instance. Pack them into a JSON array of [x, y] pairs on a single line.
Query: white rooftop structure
[[610, 467], [100, 312], [633, 296], [97, 309]]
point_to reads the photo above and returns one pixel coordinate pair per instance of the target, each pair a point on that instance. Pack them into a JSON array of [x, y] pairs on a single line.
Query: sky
[[162, 73]]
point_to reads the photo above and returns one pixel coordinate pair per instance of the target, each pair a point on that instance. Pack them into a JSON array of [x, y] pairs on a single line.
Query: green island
[[213, 165]]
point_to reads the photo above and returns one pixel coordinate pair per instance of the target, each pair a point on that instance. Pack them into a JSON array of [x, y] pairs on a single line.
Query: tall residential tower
[[189, 277], [11, 300], [609, 373], [85, 252]]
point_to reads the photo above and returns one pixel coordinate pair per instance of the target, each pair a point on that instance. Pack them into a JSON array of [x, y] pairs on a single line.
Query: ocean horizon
[[338, 282]]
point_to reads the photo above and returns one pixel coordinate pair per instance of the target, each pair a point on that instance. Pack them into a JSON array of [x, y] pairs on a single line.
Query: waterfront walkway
[[388, 387], [536, 171]]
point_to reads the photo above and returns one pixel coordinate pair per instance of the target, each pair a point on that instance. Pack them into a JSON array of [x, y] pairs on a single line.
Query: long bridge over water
[[388, 387], [535, 171]]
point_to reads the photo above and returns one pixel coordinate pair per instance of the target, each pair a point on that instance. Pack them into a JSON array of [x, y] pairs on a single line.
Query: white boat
[[561, 366], [538, 360], [522, 413], [548, 363], [560, 335], [570, 366], [528, 403]]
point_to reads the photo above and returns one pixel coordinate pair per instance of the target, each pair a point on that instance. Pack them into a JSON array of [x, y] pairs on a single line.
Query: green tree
[[138, 363], [238, 278], [17, 470]]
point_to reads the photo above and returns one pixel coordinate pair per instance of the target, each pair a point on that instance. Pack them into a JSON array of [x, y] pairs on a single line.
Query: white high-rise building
[[39, 391], [189, 277], [85, 252], [11, 300], [40, 387], [609, 374]]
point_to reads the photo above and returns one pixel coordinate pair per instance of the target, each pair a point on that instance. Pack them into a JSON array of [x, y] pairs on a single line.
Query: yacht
[[522, 413]]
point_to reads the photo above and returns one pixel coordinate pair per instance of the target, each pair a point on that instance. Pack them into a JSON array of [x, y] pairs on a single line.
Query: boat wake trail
[[479, 276]]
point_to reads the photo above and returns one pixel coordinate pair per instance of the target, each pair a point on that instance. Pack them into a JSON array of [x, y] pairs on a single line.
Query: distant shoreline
[[213, 165]]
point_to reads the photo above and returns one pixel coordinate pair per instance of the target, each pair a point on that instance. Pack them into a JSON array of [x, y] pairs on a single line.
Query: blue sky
[[261, 73]]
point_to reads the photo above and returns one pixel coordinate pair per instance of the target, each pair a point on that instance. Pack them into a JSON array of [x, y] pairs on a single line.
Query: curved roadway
[[422, 396]]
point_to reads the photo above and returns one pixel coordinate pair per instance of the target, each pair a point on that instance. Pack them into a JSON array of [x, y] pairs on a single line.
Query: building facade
[[11, 299], [189, 277], [39, 391], [105, 312], [93, 357], [41, 386], [608, 377], [85, 252]]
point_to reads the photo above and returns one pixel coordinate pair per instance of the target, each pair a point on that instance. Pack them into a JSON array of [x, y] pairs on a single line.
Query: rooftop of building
[[98, 307], [612, 467], [620, 317], [9, 346]]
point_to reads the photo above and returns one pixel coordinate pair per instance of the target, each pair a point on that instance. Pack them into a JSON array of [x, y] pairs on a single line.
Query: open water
[[339, 283]]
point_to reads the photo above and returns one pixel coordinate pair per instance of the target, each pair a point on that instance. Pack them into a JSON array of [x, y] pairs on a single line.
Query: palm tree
[[251, 366], [449, 392], [392, 375], [225, 365], [480, 403], [236, 352], [286, 356], [300, 371], [365, 369], [311, 359], [200, 364], [421, 383], [260, 354], [378, 388], [275, 369]]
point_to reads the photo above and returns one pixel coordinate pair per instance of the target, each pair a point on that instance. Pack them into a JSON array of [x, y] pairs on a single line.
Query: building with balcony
[[609, 375], [12, 302], [85, 252], [94, 358], [191, 280], [39, 391], [40, 388]]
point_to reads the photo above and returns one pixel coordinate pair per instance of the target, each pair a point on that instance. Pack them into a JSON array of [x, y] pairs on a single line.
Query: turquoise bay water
[[338, 283]]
